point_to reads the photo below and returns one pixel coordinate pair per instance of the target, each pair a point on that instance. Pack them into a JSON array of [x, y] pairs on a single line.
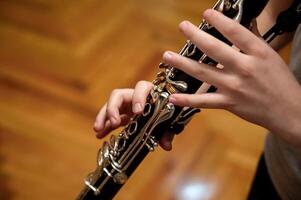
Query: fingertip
[[167, 55], [166, 141], [99, 130], [96, 129], [207, 13], [184, 25], [97, 126], [167, 146], [141, 92], [138, 108], [103, 132], [99, 135]]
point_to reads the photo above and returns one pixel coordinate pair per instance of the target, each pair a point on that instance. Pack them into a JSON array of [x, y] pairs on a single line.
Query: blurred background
[[59, 61]]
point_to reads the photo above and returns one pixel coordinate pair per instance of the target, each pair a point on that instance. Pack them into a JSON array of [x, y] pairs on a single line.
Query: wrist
[[285, 119]]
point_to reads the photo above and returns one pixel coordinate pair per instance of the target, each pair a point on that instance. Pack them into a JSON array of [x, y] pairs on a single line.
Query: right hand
[[121, 106]]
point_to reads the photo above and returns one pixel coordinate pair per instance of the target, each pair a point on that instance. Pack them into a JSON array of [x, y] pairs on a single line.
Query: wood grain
[[59, 60]]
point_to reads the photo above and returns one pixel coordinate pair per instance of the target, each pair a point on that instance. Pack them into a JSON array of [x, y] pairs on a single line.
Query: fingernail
[[167, 55], [183, 25], [137, 108]]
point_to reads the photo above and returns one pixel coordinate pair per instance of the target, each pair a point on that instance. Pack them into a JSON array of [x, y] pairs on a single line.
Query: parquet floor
[[59, 60]]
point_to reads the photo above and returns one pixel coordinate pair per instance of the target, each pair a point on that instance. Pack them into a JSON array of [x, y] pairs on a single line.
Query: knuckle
[[231, 29], [110, 111], [235, 86], [144, 84], [262, 49], [262, 52], [211, 45], [235, 63], [115, 92], [199, 72], [247, 71], [245, 66], [230, 103]]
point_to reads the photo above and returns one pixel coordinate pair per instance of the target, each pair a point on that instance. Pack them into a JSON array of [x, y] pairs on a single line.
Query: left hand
[[256, 85], [120, 108]]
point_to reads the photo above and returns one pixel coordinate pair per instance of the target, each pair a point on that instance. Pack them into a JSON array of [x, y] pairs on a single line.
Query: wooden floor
[[59, 60]]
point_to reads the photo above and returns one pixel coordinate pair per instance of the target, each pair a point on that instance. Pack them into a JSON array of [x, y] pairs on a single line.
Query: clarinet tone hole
[[147, 109], [191, 49], [121, 144], [132, 128]]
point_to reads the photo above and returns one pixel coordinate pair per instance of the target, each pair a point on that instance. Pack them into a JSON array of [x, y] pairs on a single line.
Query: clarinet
[[121, 155]]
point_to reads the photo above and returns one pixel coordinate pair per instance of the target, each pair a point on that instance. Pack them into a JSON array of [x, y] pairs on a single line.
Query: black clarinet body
[[120, 156]]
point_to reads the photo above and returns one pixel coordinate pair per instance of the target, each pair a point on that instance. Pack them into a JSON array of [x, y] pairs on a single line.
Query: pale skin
[[256, 85]]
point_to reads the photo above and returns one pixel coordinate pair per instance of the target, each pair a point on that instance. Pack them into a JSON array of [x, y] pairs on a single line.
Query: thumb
[[166, 141]]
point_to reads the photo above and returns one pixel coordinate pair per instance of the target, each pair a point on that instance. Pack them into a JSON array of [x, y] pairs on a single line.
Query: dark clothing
[[262, 187]]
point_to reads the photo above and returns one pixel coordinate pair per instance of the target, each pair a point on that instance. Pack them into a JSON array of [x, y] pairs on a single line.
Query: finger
[[207, 100], [166, 141], [240, 36], [108, 126], [211, 46], [197, 70], [105, 130], [142, 89], [100, 119], [116, 100]]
